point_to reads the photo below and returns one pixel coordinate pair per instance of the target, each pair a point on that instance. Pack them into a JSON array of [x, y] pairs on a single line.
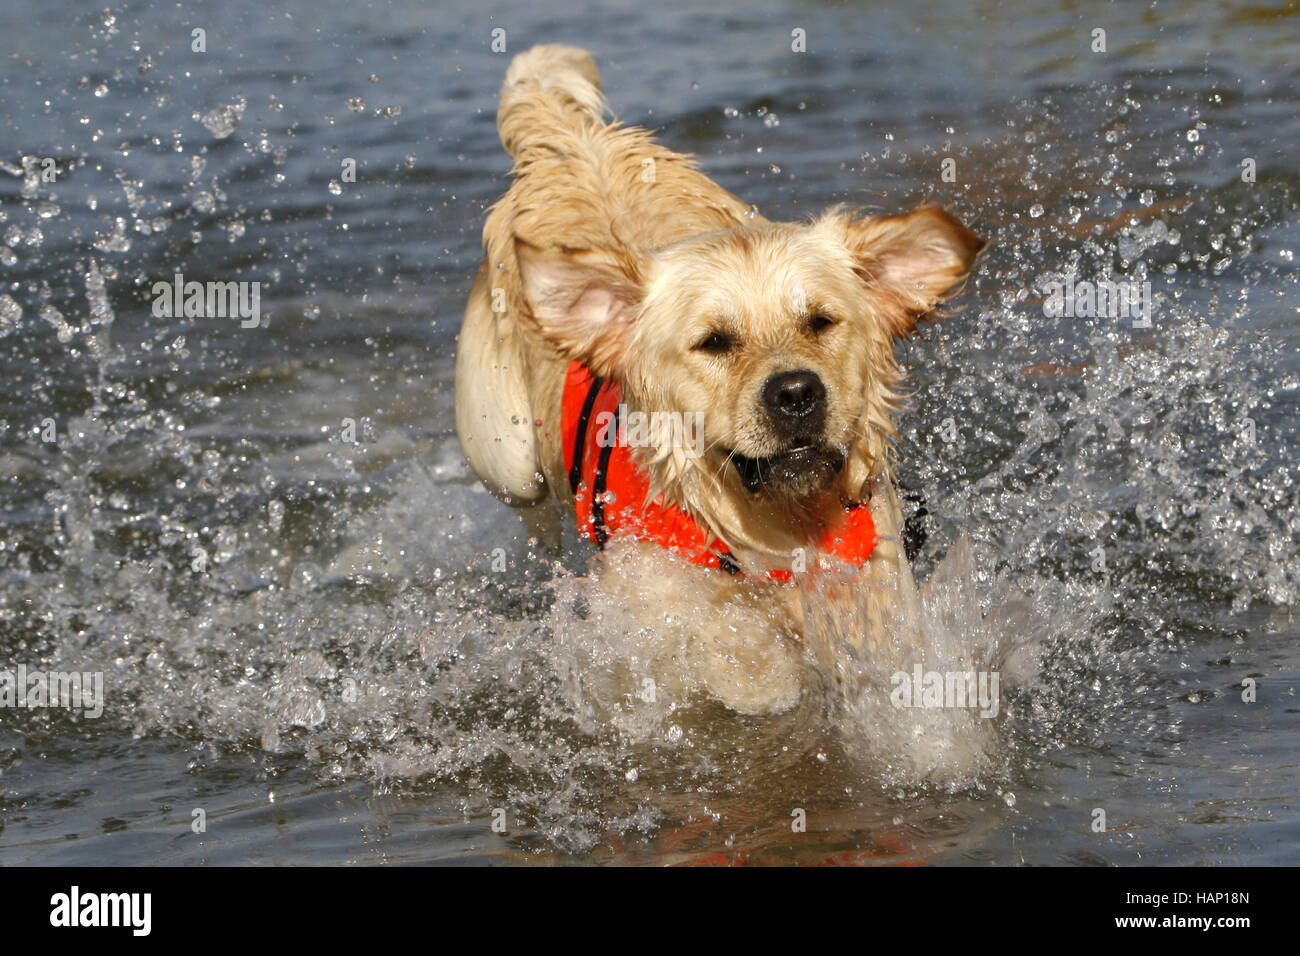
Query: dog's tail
[[547, 87]]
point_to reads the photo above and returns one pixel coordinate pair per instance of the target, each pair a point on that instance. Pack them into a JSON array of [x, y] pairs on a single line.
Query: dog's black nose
[[796, 399]]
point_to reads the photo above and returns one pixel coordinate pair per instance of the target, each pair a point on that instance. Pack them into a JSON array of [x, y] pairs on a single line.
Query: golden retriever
[[634, 323]]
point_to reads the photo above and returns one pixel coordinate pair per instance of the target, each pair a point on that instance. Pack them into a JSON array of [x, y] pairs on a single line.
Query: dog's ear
[[583, 301], [917, 258]]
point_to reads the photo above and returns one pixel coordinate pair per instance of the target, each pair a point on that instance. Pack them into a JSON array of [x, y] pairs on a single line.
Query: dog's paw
[[747, 666]]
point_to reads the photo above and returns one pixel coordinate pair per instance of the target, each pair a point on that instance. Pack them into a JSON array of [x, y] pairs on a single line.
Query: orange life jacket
[[610, 490]]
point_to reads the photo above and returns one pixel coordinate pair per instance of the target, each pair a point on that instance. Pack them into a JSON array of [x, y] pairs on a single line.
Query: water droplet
[[117, 240], [223, 120], [1035, 210], [275, 513], [336, 188], [10, 313], [62, 331]]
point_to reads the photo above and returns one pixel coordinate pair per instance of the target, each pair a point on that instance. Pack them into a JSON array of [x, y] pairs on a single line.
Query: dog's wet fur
[[614, 251]]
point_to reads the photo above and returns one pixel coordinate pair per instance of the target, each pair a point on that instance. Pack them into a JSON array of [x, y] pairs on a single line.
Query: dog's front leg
[[893, 604], [860, 613], [735, 642], [746, 656]]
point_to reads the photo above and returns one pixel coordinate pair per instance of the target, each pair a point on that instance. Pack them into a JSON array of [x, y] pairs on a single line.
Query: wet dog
[[689, 376]]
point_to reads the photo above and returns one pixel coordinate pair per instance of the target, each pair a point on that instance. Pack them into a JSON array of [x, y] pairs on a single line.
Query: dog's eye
[[819, 323], [716, 343]]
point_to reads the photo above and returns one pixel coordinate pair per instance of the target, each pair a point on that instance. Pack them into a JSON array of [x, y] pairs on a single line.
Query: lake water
[[304, 644]]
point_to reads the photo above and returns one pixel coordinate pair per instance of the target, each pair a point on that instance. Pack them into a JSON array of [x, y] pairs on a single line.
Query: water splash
[[277, 591]]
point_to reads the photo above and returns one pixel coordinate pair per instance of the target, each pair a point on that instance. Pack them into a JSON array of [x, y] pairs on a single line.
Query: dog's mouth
[[804, 469]]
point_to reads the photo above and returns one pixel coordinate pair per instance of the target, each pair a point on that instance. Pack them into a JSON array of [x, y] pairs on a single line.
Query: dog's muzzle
[[804, 468]]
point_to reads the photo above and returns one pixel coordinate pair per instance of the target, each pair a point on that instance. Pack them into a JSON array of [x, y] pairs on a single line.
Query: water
[[267, 541]]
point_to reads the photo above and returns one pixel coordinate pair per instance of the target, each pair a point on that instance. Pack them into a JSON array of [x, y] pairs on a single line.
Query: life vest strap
[[580, 437], [598, 484]]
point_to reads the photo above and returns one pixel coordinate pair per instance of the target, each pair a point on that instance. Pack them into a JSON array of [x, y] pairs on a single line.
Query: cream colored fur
[[613, 250]]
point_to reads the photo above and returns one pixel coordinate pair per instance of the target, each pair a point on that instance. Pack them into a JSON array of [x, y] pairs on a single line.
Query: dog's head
[[782, 335]]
